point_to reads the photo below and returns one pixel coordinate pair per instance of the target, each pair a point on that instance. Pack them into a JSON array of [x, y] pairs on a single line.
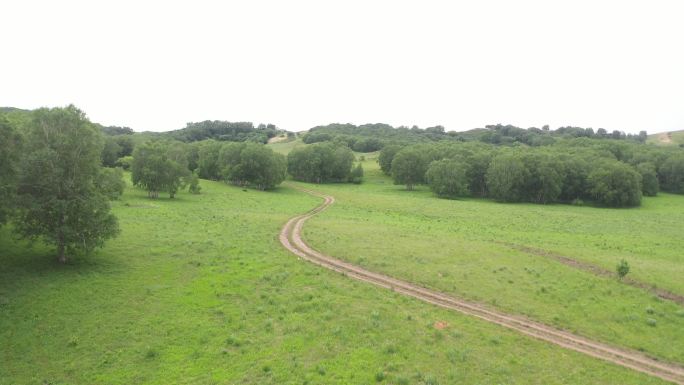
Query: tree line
[[163, 166], [610, 173], [373, 137]]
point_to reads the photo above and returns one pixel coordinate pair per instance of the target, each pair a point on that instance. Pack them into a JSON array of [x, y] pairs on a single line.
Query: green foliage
[[159, 167], [649, 178], [59, 198], [615, 184], [251, 164], [672, 173], [356, 174], [409, 166], [367, 145], [110, 152], [223, 131], [110, 182], [386, 156], [506, 177], [10, 143], [622, 268], [208, 160], [447, 178], [320, 163], [124, 162], [193, 184]]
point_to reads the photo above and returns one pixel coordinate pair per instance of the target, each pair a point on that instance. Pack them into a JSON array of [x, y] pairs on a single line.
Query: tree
[[10, 142], [356, 174], [59, 200], [207, 162], [544, 180], [154, 170], [408, 167], [622, 269], [649, 178], [193, 184], [385, 158], [672, 173], [506, 177], [110, 182], [110, 151], [447, 178], [257, 166], [615, 184], [320, 163]]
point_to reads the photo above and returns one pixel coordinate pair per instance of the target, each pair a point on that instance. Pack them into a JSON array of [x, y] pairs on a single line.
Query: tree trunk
[[61, 251]]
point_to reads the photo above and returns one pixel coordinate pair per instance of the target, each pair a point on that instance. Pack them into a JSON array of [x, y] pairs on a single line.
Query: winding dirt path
[[291, 238]]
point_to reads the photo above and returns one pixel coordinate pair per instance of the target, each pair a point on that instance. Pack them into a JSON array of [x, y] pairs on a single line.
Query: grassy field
[[456, 246], [197, 290], [286, 146]]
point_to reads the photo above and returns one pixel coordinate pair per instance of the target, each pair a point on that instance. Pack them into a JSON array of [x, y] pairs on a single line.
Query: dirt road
[[291, 238]]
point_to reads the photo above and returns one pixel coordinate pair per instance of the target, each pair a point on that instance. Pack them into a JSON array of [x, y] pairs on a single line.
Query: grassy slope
[[285, 147], [676, 138], [198, 290], [452, 246]]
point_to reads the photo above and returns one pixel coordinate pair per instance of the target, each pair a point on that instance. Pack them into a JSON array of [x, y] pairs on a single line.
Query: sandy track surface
[[291, 239]]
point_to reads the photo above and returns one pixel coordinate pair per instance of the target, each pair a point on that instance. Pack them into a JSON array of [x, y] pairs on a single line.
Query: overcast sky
[[158, 65]]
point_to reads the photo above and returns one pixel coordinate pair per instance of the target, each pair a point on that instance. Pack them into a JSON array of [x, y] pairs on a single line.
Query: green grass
[[455, 246], [197, 290], [286, 146]]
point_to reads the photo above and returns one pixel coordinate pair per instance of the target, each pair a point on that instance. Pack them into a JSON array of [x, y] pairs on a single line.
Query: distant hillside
[[667, 138]]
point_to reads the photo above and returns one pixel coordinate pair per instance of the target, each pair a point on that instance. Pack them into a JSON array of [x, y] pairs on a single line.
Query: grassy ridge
[[455, 246], [667, 138], [198, 290]]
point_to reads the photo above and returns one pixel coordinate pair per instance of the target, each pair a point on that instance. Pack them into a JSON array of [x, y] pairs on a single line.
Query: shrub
[[622, 268]]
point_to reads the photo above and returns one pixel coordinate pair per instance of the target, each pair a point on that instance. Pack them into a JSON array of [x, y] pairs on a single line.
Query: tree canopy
[[59, 198]]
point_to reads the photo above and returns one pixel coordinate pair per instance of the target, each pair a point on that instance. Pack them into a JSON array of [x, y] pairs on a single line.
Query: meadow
[[464, 247], [197, 290]]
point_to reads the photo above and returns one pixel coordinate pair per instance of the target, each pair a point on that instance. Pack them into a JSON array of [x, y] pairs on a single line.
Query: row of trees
[[52, 184], [610, 173], [373, 137], [170, 166]]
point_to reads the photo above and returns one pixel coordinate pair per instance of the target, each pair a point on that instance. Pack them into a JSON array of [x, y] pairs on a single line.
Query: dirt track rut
[[291, 239]]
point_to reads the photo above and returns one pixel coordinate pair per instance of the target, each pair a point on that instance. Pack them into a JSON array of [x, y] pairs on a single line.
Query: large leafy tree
[[409, 166], [447, 178], [252, 164], [385, 158], [320, 163], [615, 184], [649, 178], [159, 167], [672, 172], [506, 178], [59, 200], [9, 155]]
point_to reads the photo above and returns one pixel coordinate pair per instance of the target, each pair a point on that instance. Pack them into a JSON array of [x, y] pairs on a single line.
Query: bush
[[622, 268]]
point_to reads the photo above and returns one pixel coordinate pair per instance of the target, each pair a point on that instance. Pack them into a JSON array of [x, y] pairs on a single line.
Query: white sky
[[157, 65]]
